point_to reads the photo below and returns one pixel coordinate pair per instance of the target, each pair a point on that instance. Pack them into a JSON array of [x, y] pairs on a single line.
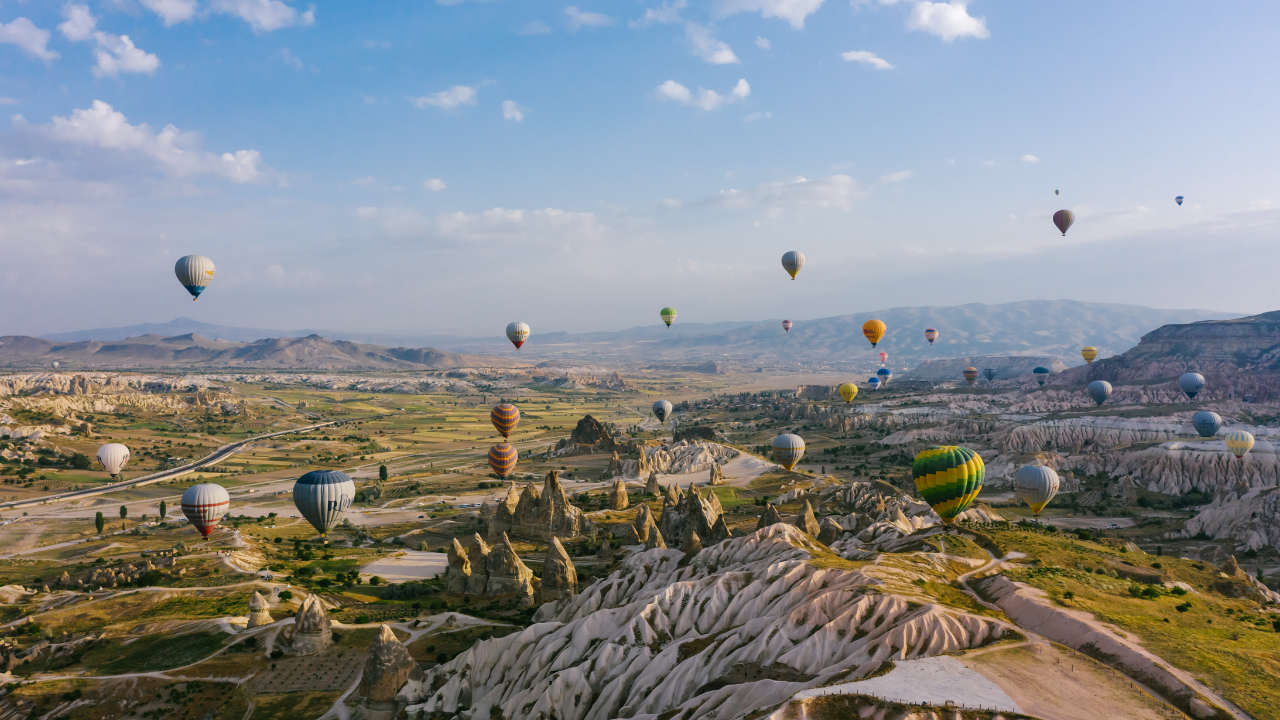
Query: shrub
[[1183, 607], [1178, 591], [1068, 595]]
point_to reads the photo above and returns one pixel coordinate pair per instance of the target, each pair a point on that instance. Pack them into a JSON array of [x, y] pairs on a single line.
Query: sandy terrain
[[935, 680], [407, 565]]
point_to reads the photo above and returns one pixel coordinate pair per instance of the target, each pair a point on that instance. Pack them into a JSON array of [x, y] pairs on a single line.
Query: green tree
[[124, 511], [164, 509], [382, 472], [99, 522]]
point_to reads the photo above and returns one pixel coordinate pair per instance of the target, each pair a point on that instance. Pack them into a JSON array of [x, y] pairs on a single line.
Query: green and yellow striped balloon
[[668, 315], [948, 477]]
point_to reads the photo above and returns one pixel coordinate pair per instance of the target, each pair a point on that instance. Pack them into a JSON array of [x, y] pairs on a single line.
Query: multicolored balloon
[[1099, 390], [786, 325], [668, 315], [1041, 374], [883, 356], [1178, 200], [884, 374], [948, 477], [848, 391], [502, 458], [1206, 423], [1089, 353], [1036, 485], [517, 333], [322, 496], [787, 450], [504, 417], [970, 374], [1238, 442], [873, 382], [792, 261], [989, 374], [112, 457], [873, 330], [1191, 384], [661, 409], [930, 334], [194, 272], [205, 505], [1063, 219]]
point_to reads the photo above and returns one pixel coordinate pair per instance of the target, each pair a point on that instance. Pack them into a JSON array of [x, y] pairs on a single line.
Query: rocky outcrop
[[1251, 519], [507, 573], [651, 486], [559, 577], [770, 517], [682, 457], [691, 544], [540, 515], [717, 476], [605, 552], [386, 670], [618, 496], [590, 432], [694, 433], [478, 553], [829, 531], [313, 630], [643, 525], [655, 540], [459, 572], [807, 521], [258, 611], [690, 513]]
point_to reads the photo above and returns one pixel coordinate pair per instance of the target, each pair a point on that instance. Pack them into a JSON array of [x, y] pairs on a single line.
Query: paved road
[[216, 456]]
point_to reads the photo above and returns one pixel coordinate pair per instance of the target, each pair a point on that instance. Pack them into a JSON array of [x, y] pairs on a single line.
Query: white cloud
[[499, 224], [115, 53], [896, 177], [265, 15], [101, 126], [870, 58], [705, 99], [10, 101], [763, 43], [833, 191], [512, 111], [363, 182], [24, 33], [947, 20], [172, 11], [79, 24], [707, 47], [579, 19], [665, 14], [290, 59], [1030, 159], [537, 27], [447, 99], [433, 184], [793, 11], [757, 116]]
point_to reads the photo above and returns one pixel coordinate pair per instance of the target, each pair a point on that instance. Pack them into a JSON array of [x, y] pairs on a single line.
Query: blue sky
[[449, 167]]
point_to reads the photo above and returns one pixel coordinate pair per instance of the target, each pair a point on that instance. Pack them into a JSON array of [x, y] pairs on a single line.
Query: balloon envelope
[[502, 458], [931, 334], [505, 417], [194, 272], [1089, 353], [668, 315], [1063, 219], [1041, 374], [884, 374], [1099, 390], [873, 330], [517, 333], [322, 496], [787, 450], [1207, 424], [873, 382], [786, 325], [1036, 485], [661, 409], [112, 457], [989, 374], [848, 391], [948, 477], [883, 356], [792, 261], [204, 505], [1238, 442], [1191, 384], [1178, 199], [970, 374]]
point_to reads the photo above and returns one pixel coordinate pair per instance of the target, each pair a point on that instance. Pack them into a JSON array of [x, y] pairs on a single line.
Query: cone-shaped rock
[[655, 539], [387, 668], [719, 531], [459, 572], [673, 495], [829, 531], [770, 517], [651, 485], [644, 524], [807, 521], [258, 614], [559, 577], [605, 553], [691, 544], [313, 630], [507, 573], [478, 553], [618, 496]]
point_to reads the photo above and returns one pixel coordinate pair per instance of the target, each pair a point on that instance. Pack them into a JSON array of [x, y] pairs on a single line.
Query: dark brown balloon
[[1063, 219]]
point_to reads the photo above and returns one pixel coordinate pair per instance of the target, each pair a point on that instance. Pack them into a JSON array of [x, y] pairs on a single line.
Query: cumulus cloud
[[448, 99], [706, 99], [433, 184], [171, 11], [870, 58], [833, 191], [115, 53], [512, 111], [24, 33], [179, 153], [265, 15], [1030, 159], [290, 59], [537, 27], [665, 14], [579, 19], [706, 46], [947, 20], [793, 11], [896, 177], [79, 24], [763, 43]]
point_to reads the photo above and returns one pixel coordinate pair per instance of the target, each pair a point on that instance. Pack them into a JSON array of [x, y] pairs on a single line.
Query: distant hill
[[1005, 366]]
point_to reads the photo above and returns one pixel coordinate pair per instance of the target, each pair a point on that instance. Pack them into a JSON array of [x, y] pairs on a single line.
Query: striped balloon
[[786, 325], [1036, 485], [970, 374], [194, 272], [948, 477], [787, 450], [502, 458], [1238, 442], [1089, 353], [505, 417], [204, 505], [322, 496], [931, 334], [668, 315]]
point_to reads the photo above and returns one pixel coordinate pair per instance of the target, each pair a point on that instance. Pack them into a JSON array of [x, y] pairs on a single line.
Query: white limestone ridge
[[1252, 519], [741, 625], [679, 458]]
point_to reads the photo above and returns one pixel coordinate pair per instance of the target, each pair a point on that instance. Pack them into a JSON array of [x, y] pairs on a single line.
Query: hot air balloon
[[1036, 485], [112, 457], [792, 261], [884, 374], [55, 364], [930, 334], [668, 315], [661, 409], [502, 458], [204, 505], [970, 374], [1238, 442], [1041, 374], [194, 272], [873, 382], [1178, 199], [1191, 384], [848, 391], [1099, 390], [786, 325], [1063, 219], [787, 450], [1207, 424], [873, 330], [322, 496], [883, 356], [517, 333], [948, 477], [989, 374], [1089, 353], [1055, 192], [505, 417]]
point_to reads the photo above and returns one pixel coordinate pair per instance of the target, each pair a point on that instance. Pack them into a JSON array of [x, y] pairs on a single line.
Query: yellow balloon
[[1089, 353], [873, 330], [848, 391]]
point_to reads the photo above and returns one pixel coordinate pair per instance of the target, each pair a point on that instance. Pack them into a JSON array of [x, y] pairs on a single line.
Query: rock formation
[[506, 572], [694, 433], [386, 670], [691, 544], [655, 540], [559, 577], [459, 572], [258, 613], [1251, 519], [313, 631], [643, 524], [615, 465], [719, 531], [605, 552], [643, 469], [717, 476], [540, 515], [681, 457], [807, 521], [770, 517], [590, 432], [651, 486], [829, 531], [618, 496], [691, 512]]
